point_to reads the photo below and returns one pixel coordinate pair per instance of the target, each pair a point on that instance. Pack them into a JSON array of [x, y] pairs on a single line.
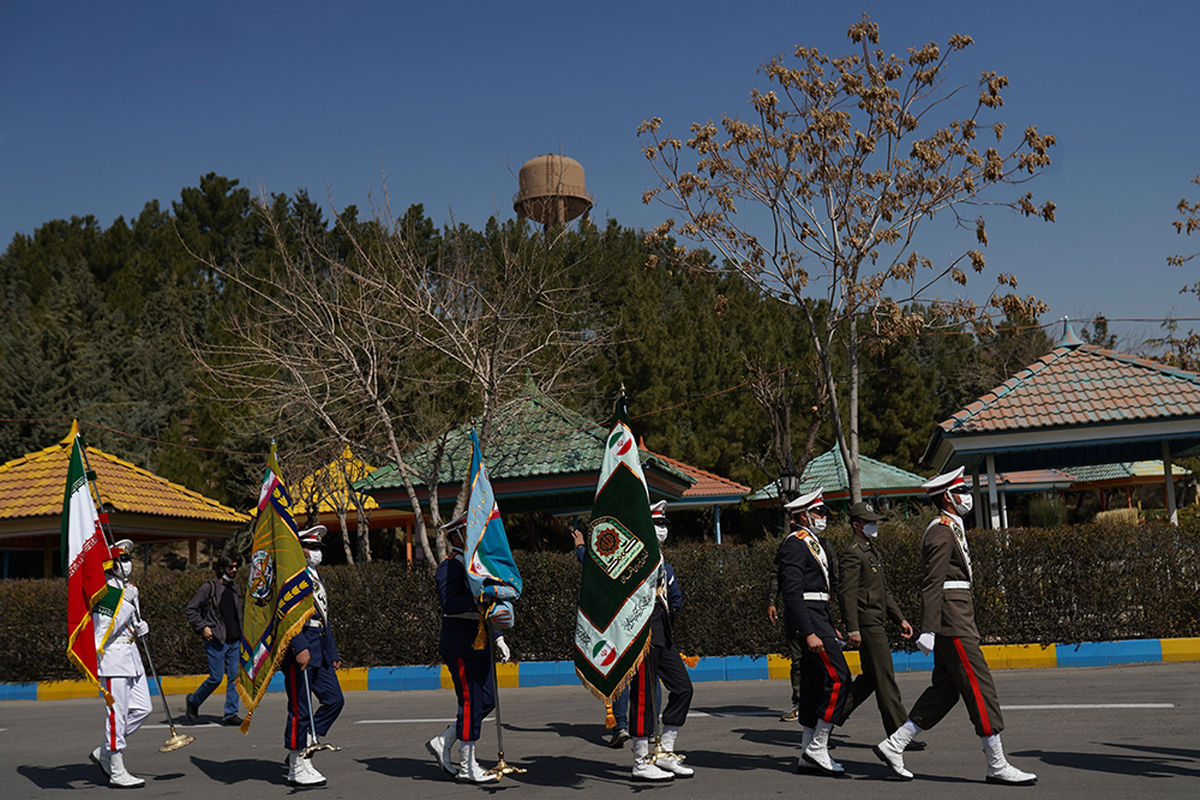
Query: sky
[[109, 106]]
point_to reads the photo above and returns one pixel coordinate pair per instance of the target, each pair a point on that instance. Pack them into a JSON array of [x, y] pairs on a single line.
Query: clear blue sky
[[108, 106]]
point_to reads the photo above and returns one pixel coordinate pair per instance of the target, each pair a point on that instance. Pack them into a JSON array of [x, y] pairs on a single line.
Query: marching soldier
[[804, 564], [117, 619], [662, 663], [948, 631], [310, 667], [866, 606], [472, 670]]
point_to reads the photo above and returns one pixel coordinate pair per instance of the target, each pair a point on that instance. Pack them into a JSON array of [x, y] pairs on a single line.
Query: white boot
[[441, 747], [806, 734], [999, 770], [301, 772], [669, 760], [99, 757], [891, 750], [817, 751], [643, 768], [469, 770], [119, 776]]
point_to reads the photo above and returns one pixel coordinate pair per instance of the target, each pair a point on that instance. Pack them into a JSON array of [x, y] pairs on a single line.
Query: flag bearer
[[118, 622], [471, 668], [804, 564], [312, 652], [948, 631], [662, 663]]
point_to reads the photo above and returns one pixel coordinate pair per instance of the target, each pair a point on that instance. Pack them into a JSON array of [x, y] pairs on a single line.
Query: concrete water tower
[[551, 190]]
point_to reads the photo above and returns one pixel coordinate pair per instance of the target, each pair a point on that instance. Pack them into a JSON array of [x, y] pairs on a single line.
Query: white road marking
[[399, 721], [1058, 706], [184, 728]]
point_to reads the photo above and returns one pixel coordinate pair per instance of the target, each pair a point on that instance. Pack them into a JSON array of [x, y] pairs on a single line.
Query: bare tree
[[821, 197], [1183, 347], [386, 336]]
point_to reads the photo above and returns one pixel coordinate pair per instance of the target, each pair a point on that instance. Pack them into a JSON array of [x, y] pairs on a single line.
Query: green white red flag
[[85, 556], [620, 570]]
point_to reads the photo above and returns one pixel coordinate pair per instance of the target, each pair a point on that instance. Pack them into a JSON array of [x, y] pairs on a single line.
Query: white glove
[[502, 647], [141, 628], [925, 642]]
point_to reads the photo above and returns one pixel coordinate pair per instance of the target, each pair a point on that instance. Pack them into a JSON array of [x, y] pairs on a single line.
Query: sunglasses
[[125, 557]]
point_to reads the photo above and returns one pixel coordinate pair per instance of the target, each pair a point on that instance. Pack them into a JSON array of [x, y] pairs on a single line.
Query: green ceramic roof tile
[[827, 472]]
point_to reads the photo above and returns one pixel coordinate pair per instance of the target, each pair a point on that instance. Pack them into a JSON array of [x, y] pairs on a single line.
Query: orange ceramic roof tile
[[1081, 384], [707, 484], [34, 484]]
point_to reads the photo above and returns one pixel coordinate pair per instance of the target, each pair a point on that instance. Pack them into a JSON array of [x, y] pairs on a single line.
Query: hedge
[[1069, 584]]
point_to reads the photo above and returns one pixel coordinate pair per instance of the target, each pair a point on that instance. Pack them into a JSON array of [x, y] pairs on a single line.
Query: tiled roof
[[33, 485], [827, 472], [330, 483], [538, 437], [1017, 479], [1081, 385], [707, 484], [1125, 470]]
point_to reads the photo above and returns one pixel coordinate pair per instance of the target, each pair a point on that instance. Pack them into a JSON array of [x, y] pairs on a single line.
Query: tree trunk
[[347, 545], [852, 468]]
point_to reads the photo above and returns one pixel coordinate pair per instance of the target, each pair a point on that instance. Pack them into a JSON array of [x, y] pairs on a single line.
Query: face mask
[[661, 532], [123, 569], [962, 503], [313, 557], [870, 529], [818, 524]]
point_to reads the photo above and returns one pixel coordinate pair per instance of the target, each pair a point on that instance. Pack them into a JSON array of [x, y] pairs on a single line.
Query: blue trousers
[[474, 684], [323, 683], [222, 662]]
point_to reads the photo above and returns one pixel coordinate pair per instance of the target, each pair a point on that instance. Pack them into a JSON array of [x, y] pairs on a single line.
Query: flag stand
[[312, 726], [176, 740], [502, 767]]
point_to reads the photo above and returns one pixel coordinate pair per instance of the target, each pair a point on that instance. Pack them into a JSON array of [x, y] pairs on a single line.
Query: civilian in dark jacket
[[215, 613]]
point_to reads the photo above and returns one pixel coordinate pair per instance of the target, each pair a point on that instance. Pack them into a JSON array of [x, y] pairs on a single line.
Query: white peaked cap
[[312, 535], [124, 545], [806, 501], [943, 482], [658, 511]]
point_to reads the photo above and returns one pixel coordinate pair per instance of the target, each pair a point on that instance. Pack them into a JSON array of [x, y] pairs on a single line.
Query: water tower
[[551, 190]]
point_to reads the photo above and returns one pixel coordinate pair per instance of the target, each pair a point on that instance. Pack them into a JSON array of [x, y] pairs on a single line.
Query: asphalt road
[[1128, 732]]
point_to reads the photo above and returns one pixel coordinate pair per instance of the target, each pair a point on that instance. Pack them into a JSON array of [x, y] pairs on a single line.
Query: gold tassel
[[691, 661], [481, 637], [609, 720]]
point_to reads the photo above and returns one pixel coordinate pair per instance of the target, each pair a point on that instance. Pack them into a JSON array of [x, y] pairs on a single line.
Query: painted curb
[[708, 668]]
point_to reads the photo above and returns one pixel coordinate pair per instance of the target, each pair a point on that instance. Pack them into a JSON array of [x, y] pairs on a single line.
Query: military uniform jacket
[[947, 608], [804, 565], [666, 609], [864, 593], [317, 636], [113, 618]]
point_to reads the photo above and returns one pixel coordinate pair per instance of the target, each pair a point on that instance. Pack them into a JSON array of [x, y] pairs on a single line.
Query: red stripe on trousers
[[295, 702], [837, 687], [640, 730], [985, 723], [466, 701], [112, 720]]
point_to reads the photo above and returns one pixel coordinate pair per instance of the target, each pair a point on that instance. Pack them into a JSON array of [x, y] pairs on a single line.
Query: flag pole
[[176, 740], [502, 767]]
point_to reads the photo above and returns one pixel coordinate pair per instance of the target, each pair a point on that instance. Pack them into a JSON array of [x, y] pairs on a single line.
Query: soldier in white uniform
[[118, 622]]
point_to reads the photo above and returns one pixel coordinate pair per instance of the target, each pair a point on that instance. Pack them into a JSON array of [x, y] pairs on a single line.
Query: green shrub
[[1063, 584]]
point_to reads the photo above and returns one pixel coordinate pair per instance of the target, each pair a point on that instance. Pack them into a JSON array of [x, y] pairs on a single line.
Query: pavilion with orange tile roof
[[1078, 405], [141, 505]]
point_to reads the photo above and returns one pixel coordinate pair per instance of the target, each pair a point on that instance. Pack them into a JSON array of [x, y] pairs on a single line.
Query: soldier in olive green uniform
[[866, 606]]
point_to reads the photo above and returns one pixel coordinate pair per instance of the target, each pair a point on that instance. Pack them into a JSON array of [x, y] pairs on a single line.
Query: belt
[[816, 596], [956, 585], [471, 615], [316, 623]]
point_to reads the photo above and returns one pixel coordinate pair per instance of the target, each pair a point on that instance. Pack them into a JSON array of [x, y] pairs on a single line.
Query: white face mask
[[963, 503], [870, 529], [661, 532], [818, 524], [123, 569], [313, 557]]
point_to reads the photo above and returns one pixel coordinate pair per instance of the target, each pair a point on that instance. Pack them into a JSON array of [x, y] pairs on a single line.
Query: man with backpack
[[215, 613]]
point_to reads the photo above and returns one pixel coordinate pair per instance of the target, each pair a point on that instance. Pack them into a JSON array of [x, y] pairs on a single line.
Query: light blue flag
[[492, 573]]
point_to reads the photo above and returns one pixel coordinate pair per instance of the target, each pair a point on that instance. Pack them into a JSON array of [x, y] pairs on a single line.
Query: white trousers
[[131, 705]]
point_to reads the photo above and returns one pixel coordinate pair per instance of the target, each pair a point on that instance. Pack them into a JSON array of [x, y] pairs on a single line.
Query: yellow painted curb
[[1181, 649], [185, 684], [65, 690], [853, 662], [778, 666], [353, 679], [447, 682], [1020, 656], [506, 675]]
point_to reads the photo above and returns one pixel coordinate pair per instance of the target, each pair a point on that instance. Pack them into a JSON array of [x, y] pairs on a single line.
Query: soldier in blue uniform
[[472, 670], [804, 564], [314, 652]]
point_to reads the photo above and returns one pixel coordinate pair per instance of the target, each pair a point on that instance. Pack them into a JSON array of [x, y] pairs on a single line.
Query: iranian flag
[[620, 570], [85, 554]]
